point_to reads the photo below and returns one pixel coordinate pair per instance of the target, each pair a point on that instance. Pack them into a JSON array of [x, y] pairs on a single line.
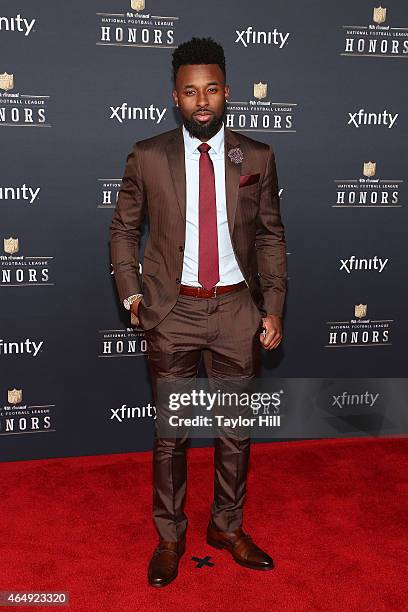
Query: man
[[214, 272]]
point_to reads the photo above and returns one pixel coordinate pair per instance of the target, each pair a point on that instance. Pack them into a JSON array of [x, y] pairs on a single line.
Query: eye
[[213, 89], [189, 91]]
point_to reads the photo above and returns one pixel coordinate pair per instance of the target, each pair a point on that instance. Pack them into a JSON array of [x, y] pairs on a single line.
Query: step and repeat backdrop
[[324, 83]]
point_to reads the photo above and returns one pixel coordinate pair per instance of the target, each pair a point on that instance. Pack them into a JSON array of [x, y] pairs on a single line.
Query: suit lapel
[[232, 174], [175, 156]]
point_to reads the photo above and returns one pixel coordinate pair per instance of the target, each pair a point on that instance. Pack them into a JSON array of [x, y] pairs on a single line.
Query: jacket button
[[181, 248], [178, 281]]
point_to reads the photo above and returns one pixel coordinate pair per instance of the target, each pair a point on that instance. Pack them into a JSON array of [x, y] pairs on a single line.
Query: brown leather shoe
[[163, 566], [241, 546]]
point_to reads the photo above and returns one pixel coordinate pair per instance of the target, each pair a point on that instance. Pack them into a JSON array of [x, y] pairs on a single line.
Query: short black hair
[[198, 51]]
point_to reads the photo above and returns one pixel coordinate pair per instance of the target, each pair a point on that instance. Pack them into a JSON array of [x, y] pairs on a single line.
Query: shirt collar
[[216, 142]]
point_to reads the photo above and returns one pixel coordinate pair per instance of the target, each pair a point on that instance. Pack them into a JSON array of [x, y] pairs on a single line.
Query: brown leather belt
[[209, 293]]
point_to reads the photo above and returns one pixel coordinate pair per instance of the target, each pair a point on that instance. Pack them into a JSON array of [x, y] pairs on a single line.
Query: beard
[[207, 130]]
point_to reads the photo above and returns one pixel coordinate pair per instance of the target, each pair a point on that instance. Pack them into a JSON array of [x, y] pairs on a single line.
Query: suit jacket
[[154, 185]]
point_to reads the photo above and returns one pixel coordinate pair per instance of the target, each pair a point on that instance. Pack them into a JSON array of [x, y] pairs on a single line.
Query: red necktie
[[208, 272]]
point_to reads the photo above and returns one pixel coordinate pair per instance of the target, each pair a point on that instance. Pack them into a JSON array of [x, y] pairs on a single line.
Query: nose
[[202, 99]]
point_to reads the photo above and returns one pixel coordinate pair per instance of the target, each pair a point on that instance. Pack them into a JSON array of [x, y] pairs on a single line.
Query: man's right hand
[[134, 307]]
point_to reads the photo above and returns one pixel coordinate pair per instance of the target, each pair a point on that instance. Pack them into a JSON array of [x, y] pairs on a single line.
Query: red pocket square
[[248, 179]]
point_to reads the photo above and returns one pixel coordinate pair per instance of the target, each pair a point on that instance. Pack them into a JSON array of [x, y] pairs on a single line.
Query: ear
[[227, 91], [175, 97]]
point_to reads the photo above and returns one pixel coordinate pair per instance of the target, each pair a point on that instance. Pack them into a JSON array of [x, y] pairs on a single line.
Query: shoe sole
[[220, 546], [162, 584]]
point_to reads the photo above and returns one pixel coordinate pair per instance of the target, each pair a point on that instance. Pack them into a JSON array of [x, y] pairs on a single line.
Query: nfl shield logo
[[379, 14], [360, 310], [260, 90], [11, 245], [14, 396], [6, 81], [137, 5], [369, 168]]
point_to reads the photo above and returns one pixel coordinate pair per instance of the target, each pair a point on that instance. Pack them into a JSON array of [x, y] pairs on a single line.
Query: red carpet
[[332, 514]]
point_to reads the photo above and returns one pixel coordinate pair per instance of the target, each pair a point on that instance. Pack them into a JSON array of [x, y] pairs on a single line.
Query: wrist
[[127, 302]]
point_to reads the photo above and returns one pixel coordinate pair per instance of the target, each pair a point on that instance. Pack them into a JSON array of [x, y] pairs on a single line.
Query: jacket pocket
[[248, 179]]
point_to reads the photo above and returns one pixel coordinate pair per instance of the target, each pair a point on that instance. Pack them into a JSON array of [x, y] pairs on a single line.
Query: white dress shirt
[[228, 267]]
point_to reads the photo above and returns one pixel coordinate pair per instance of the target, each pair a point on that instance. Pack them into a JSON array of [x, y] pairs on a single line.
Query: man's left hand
[[273, 336]]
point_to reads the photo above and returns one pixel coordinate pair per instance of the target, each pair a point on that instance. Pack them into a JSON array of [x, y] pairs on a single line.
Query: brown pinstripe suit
[[154, 182], [179, 329]]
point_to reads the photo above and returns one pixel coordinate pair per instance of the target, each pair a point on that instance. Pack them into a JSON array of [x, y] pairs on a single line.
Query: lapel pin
[[236, 155]]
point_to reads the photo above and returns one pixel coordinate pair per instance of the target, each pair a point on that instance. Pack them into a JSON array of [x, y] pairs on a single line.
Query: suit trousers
[[224, 331]]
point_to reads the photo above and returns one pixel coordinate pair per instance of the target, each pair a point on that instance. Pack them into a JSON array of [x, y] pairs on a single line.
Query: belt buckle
[[199, 290]]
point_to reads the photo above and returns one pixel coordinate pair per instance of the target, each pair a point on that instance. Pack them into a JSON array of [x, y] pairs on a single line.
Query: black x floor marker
[[203, 561]]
